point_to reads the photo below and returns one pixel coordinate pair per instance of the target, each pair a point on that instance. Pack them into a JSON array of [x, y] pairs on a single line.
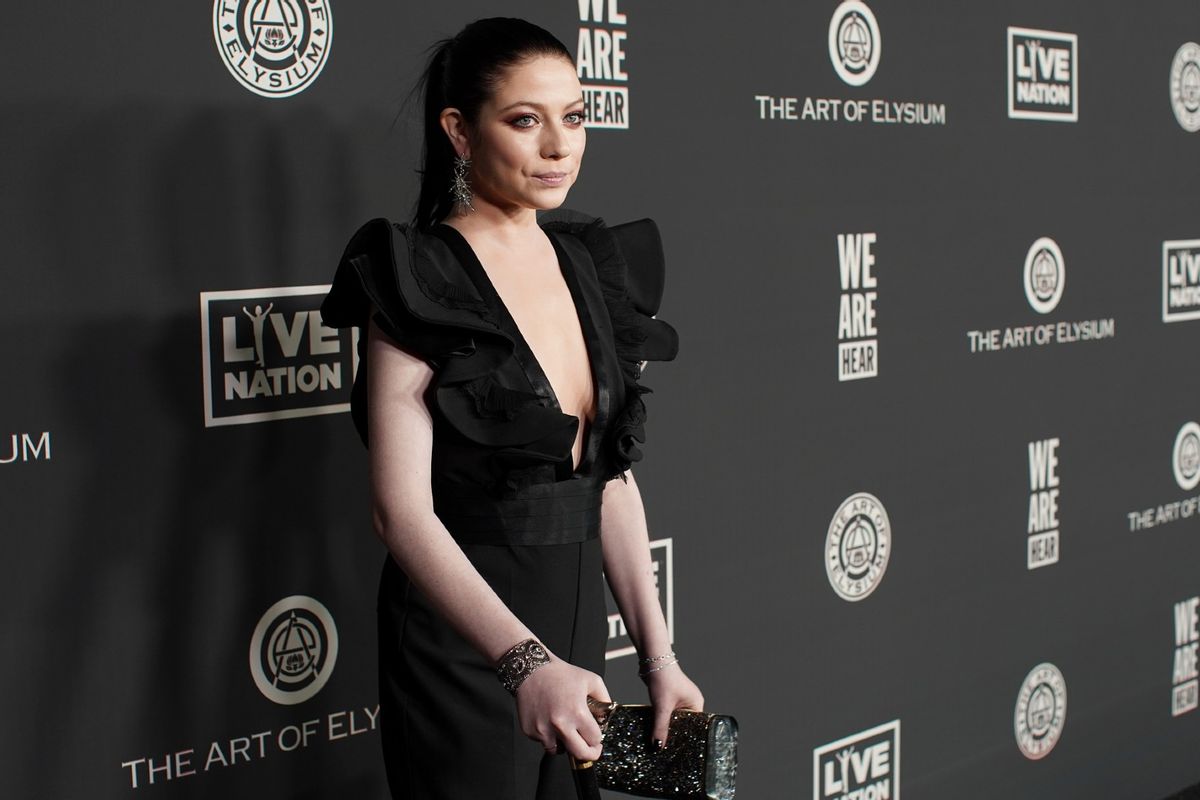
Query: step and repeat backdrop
[[923, 485]]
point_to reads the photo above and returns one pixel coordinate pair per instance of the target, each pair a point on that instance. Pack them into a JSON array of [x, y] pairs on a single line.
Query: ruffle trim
[[628, 431], [493, 400], [425, 303], [632, 297]]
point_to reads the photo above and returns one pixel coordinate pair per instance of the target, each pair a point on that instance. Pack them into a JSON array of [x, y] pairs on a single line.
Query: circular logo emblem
[[293, 650], [854, 42], [1041, 711], [1045, 275], [275, 48], [1186, 457], [857, 546], [1185, 86]]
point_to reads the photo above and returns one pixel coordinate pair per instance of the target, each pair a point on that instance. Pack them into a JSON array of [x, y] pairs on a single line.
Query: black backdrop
[[156, 523]]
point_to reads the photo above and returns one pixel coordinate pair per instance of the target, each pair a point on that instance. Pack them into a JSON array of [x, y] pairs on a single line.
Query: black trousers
[[449, 729]]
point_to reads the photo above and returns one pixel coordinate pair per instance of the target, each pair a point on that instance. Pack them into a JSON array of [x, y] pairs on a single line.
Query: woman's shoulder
[[421, 295]]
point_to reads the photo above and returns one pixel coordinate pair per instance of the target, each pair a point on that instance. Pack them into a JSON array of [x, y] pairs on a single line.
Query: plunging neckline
[[537, 376]]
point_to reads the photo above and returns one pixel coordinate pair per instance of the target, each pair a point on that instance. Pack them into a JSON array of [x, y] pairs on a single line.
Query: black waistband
[[564, 512]]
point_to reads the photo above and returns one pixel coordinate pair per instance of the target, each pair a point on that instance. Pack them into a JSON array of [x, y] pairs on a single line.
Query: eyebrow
[[538, 106]]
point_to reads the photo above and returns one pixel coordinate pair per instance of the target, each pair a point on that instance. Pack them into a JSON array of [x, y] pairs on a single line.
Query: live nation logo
[[858, 347], [862, 766], [662, 562], [855, 48], [1185, 676], [600, 63], [268, 355], [1041, 711], [1181, 280], [1044, 279], [1185, 464], [1043, 75], [1042, 528], [274, 49]]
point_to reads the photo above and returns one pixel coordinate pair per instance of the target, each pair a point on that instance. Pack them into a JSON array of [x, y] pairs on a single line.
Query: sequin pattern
[[630, 763]]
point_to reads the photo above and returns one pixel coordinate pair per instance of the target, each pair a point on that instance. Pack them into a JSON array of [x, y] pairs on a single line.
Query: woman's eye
[[525, 121], [576, 117]]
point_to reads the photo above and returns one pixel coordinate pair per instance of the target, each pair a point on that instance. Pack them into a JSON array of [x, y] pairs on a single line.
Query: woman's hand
[[670, 689], [552, 708]]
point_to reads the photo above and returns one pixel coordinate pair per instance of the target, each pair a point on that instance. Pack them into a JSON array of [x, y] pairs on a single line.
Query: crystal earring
[[460, 187]]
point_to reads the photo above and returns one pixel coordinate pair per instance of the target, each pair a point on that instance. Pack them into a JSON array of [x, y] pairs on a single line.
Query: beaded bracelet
[[520, 662]]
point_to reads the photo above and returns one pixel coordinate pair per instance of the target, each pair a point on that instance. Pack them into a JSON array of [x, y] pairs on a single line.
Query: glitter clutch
[[699, 760]]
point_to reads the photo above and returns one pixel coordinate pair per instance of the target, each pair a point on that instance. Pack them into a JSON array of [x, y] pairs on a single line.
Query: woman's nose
[[555, 143]]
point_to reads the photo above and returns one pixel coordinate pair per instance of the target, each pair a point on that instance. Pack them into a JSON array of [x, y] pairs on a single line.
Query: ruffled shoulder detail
[[420, 303], [631, 268], [426, 303]]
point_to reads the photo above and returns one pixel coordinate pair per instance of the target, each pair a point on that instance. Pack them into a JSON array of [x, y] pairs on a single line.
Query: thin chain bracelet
[[656, 658], [645, 672]]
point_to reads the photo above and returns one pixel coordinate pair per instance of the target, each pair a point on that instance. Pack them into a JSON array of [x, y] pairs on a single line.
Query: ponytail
[[437, 154], [461, 73]]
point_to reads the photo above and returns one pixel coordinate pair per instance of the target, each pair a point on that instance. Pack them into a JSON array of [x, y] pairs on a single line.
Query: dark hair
[[462, 73]]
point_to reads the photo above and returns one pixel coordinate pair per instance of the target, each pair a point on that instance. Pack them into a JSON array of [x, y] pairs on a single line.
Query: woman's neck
[[512, 226]]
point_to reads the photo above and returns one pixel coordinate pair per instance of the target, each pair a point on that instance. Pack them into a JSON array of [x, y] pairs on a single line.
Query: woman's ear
[[455, 126]]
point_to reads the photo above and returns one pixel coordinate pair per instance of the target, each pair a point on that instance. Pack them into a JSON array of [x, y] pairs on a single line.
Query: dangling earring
[[460, 188]]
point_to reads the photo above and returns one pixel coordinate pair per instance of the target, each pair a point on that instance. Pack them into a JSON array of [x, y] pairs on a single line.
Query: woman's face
[[527, 144]]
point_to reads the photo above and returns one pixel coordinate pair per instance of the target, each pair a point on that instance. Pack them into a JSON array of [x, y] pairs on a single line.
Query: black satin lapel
[[498, 313], [589, 302]]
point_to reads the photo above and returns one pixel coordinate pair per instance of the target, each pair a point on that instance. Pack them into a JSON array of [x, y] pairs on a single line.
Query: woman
[[498, 395]]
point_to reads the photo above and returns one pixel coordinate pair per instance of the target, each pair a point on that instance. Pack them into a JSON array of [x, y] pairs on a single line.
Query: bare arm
[[630, 575], [401, 441], [552, 702], [628, 566]]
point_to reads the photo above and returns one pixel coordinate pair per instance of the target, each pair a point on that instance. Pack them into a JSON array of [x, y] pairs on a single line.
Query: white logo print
[[267, 355], [863, 766], [1185, 459], [1045, 275], [293, 650], [855, 48], [857, 546], [1041, 711], [1042, 546], [1043, 75], [600, 63], [23, 448], [1185, 674], [275, 48], [1181, 280], [854, 44], [858, 347], [1185, 86], [1185, 463]]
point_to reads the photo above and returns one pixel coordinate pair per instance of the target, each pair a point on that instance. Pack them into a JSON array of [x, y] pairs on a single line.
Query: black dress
[[503, 481]]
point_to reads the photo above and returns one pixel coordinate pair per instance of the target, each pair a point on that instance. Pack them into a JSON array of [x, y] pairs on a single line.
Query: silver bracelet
[[643, 661], [644, 672], [520, 662]]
